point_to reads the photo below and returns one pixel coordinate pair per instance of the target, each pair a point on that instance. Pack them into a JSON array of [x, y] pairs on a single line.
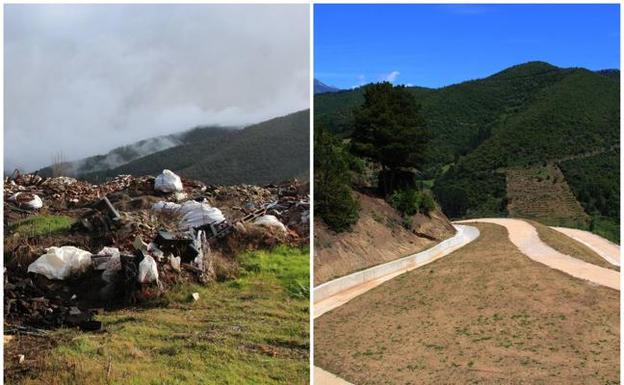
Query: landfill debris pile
[[132, 237]]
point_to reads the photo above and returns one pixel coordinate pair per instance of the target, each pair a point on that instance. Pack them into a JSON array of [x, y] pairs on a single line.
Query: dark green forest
[[526, 115], [268, 152]]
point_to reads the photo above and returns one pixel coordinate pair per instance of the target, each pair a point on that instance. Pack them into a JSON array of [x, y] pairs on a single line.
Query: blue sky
[[437, 45]]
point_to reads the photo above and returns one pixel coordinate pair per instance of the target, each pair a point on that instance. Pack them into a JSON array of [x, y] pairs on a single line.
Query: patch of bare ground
[[379, 236], [484, 314], [566, 245]]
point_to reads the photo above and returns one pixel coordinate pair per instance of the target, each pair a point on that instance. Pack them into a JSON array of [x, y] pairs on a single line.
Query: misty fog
[[83, 79]]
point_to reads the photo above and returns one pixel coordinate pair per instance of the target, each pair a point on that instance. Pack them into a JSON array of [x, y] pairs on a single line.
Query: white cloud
[[83, 79], [392, 76]]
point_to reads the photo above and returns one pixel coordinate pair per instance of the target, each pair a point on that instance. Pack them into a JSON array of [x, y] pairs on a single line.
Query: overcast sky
[[83, 79]]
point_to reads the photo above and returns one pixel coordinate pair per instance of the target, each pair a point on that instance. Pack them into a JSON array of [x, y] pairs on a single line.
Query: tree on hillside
[[389, 129], [333, 198]]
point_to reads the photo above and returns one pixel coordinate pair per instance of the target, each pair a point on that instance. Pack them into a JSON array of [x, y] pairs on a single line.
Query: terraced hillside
[[542, 193]]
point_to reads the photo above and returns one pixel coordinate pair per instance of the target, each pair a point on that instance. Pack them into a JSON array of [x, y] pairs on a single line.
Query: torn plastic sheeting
[[199, 215], [61, 262], [168, 182], [270, 221], [30, 201]]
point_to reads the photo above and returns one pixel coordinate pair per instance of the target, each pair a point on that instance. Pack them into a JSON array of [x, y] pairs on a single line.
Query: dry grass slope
[[484, 314]]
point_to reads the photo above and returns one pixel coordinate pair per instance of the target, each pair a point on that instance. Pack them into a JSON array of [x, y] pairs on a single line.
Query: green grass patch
[[42, 225], [290, 267], [606, 227], [253, 330]]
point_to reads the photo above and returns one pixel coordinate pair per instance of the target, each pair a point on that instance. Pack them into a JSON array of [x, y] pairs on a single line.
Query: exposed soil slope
[[483, 314], [378, 237]]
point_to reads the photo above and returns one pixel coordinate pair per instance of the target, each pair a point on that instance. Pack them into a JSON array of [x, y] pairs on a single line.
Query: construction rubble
[[131, 239]]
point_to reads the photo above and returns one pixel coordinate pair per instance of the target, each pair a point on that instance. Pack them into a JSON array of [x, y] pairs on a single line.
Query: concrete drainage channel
[[335, 293]]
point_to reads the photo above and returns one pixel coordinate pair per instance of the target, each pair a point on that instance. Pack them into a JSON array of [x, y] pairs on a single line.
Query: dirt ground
[[378, 237], [485, 314]]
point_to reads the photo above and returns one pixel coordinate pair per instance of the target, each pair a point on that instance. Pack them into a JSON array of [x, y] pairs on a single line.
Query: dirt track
[[524, 236]]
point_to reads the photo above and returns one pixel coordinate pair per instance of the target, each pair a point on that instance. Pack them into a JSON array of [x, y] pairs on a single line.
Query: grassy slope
[[484, 314], [251, 330], [569, 246], [595, 181]]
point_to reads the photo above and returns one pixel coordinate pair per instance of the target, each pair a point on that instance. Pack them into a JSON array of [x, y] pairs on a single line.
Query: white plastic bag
[[168, 182], [196, 214], [61, 262], [33, 204], [270, 221], [148, 270]]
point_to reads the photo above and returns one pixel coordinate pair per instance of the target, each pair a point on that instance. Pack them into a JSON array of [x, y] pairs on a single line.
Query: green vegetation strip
[[42, 225], [248, 331]]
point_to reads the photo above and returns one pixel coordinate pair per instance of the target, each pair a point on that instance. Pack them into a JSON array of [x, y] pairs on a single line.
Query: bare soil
[[485, 314], [379, 236]]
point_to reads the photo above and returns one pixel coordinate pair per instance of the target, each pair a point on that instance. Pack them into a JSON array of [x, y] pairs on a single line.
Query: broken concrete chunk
[[21, 358]]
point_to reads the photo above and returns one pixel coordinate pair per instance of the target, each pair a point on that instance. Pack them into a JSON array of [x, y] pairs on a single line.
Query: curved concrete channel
[[337, 292]]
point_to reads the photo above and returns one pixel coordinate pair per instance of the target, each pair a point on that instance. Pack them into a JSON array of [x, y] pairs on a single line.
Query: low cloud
[[83, 79], [392, 76]]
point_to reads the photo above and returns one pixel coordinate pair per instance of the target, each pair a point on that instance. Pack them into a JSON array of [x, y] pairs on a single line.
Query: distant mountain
[[320, 87], [271, 151], [116, 157], [528, 116], [610, 73]]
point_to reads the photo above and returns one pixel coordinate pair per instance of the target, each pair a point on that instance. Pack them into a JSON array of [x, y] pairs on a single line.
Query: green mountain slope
[[528, 115], [270, 151]]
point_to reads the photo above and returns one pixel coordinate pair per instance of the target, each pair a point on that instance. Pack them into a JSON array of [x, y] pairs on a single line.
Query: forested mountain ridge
[[271, 151], [528, 116]]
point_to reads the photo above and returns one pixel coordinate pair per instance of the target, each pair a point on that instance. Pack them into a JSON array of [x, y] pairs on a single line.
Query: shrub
[[411, 201]]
